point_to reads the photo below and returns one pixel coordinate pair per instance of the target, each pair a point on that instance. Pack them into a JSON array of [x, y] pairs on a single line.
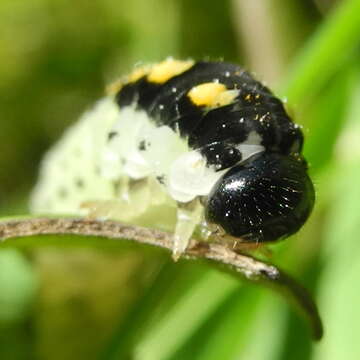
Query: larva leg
[[188, 217]]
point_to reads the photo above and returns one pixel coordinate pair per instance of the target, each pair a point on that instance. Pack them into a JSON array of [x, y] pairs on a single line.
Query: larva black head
[[265, 199]]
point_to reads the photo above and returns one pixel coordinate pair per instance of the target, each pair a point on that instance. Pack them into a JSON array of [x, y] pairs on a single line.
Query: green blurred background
[[56, 56]]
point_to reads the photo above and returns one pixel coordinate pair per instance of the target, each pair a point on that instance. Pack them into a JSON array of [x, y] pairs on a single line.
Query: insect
[[185, 145]]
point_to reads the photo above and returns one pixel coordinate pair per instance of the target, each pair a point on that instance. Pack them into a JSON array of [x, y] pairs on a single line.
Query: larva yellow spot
[[138, 73], [212, 95], [205, 94], [226, 97], [156, 73], [114, 87], [135, 75], [167, 69]]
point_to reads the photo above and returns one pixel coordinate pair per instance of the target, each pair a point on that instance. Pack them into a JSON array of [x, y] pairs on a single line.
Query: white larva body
[[83, 169], [74, 157]]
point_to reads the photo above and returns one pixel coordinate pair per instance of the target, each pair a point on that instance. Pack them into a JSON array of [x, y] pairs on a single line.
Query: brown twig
[[240, 264]]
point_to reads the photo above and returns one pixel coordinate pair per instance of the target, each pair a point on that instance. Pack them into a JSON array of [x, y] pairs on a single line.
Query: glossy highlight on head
[[262, 200]]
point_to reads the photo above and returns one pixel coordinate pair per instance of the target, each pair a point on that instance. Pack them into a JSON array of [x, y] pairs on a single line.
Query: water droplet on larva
[[161, 107]]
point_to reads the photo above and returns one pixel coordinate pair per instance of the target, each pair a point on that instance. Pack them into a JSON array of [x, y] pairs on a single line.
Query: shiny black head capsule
[[268, 198]]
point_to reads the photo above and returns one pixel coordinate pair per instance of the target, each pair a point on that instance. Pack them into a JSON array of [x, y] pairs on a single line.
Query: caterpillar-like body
[[203, 140]]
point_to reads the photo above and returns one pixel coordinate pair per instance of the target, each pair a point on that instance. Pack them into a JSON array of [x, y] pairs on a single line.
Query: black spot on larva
[[161, 179], [63, 193], [142, 145], [79, 183], [112, 134]]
